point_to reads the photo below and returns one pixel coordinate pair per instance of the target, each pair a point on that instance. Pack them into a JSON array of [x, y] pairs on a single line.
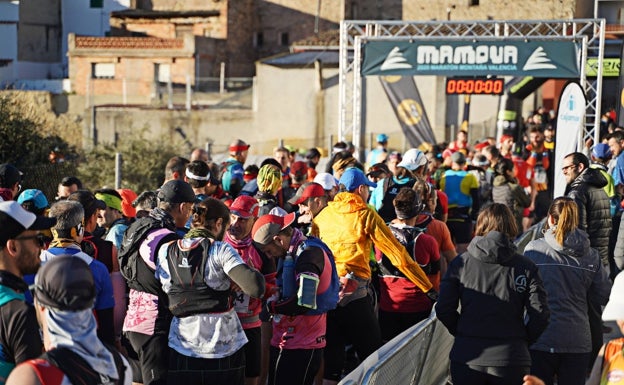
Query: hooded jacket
[[495, 286], [511, 195], [572, 273], [594, 208], [350, 228]]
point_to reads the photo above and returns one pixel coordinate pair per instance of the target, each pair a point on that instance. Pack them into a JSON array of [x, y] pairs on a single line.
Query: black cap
[[176, 191], [65, 283], [88, 201], [9, 175]]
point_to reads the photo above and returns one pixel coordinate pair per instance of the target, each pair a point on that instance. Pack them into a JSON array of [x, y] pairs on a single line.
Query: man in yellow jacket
[[350, 228]]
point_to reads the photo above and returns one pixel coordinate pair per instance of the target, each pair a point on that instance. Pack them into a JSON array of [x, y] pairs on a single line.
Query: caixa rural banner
[[537, 58]]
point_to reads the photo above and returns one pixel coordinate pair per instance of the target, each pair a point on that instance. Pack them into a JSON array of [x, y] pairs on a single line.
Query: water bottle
[[288, 277]]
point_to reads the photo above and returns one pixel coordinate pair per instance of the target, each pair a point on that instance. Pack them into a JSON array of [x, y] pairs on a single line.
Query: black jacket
[[494, 286], [594, 209]]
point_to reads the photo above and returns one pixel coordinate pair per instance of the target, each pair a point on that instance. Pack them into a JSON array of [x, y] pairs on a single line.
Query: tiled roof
[[89, 42], [146, 14], [327, 38]]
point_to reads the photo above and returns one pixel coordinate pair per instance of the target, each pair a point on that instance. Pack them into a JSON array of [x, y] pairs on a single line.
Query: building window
[[162, 72], [103, 70], [96, 4], [473, 3], [258, 39], [283, 38]]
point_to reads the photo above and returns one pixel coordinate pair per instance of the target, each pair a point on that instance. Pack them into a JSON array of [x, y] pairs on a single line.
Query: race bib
[[241, 303], [540, 175]]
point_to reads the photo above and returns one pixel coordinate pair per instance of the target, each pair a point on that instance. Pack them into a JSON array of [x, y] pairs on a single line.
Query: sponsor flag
[[408, 107], [570, 122], [466, 117]]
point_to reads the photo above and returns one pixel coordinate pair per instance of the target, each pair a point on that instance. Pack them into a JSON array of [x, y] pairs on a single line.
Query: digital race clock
[[475, 86]]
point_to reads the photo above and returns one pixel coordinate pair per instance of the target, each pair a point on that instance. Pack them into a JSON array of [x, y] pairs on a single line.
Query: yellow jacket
[[350, 228]]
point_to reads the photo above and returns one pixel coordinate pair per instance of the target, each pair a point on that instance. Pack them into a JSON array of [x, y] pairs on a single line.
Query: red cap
[[268, 226], [299, 168], [245, 206], [481, 146], [307, 190], [127, 197]]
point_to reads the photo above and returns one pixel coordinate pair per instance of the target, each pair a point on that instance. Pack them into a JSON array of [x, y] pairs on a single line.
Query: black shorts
[[253, 352]]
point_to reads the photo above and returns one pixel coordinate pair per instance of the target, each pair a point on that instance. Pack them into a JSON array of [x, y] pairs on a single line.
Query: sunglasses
[[40, 238]]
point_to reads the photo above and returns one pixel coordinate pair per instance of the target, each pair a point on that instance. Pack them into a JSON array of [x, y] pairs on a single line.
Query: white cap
[[326, 180], [615, 307], [413, 159]]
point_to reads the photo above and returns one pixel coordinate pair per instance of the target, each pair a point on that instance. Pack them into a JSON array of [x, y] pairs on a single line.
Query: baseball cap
[[377, 169], [382, 138], [245, 206], [176, 191], [615, 307], [238, 146], [299, 168], [268, 226], [127, 197], [413, 159], [458, 157], [65, 283], [480, 146], [36, 196], [601, 151], [305, 191], [88, 201], [14, 220], [9, 175], [353, 178], [326, 180]]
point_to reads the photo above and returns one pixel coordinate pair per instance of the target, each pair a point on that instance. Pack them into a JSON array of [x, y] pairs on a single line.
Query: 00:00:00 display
[[475, 86]]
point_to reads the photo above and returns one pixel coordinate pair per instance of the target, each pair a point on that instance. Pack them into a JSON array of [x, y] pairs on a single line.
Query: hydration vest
[[139, 276], [390, 191], [327, 294], [189, 294]]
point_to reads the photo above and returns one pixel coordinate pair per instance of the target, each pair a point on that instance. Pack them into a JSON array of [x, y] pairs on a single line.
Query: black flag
[[409, 109]]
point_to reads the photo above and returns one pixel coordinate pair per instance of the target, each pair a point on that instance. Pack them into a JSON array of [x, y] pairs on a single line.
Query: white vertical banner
[[570, 122]]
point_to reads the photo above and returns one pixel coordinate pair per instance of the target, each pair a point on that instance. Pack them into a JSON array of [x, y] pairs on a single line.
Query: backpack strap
[[78, 371], [46, 373]]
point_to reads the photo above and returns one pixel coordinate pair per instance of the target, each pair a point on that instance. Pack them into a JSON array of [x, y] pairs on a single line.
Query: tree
[[143, 162], [23, 142]]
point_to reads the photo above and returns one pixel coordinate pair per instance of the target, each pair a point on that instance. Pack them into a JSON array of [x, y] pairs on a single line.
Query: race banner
[[570, 123], [408, 107], [549, 59]]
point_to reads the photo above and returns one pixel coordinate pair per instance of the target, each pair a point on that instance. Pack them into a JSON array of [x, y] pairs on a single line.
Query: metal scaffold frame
[[353, 34]]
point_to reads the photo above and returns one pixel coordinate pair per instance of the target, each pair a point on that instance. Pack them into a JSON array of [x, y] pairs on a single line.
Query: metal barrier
[[419, 355]]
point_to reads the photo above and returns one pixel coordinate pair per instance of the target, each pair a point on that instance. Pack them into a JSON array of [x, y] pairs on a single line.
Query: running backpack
[[128, 256], [59, 362], [327, 300]]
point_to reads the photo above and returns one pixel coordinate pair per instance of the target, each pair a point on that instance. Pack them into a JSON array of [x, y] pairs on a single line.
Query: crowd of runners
[[286, 273]]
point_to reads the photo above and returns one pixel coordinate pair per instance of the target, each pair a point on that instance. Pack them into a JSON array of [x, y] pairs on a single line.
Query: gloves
[[432, 295]]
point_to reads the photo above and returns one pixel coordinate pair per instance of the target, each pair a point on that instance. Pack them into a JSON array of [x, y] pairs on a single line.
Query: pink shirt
[[299, 332]]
